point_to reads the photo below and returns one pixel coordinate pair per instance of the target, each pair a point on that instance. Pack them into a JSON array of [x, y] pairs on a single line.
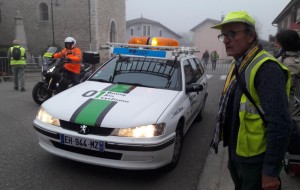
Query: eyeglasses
[[230, 35]]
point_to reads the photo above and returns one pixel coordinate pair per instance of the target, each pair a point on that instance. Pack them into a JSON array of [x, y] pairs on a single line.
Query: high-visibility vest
[[252, 130], [22, 60]]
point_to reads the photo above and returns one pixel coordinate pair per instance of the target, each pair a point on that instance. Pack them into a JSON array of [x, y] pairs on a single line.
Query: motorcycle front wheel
[[40, 94]]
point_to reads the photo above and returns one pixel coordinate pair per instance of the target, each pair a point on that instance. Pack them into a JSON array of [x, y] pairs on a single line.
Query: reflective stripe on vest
[[22, 60], [252, 131]]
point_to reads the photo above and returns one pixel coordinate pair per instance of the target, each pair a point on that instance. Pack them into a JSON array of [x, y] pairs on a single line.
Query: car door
[[189, 78], [200, 78]]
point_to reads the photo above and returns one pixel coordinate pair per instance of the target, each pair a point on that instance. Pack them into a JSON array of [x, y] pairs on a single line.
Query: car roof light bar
[[148, 50], [142, 46]]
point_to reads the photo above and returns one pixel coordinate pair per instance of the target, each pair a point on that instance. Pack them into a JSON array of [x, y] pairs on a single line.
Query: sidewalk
[[215, 175]]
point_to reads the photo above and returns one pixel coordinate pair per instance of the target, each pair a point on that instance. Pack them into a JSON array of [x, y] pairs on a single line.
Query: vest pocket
[[251, 136]]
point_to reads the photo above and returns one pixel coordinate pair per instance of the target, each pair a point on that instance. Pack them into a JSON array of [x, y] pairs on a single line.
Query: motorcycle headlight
[[50, 70], [47, 118], [146, 131]]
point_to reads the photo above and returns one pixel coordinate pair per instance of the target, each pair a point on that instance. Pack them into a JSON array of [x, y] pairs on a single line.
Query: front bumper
[[120, 152]]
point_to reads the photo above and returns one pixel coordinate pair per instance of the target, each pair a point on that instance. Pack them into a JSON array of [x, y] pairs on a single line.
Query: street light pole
[[90, 30], [53, 39]]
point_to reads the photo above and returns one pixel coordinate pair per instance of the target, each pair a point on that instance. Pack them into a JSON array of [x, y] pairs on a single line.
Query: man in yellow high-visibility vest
[[253, 118], [17, 57]]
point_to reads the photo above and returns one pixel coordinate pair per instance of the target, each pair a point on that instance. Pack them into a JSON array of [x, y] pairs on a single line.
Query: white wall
[[206, 38]]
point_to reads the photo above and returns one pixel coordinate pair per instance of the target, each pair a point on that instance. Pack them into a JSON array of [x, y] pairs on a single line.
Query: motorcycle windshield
[[47, 59], [52, 49]]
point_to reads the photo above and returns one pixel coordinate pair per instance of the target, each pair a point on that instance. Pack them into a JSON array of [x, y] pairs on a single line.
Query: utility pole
[[53, 38]]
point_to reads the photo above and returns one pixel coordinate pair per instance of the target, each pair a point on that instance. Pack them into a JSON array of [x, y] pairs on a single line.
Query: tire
[[178, 144], [40, 94]]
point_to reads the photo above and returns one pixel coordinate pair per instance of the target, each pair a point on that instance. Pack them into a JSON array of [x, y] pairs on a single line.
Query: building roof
[[204, 22], [142, 20], [286, 10]]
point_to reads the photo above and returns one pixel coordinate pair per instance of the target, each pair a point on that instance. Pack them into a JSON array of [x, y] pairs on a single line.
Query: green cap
[[237, 16]]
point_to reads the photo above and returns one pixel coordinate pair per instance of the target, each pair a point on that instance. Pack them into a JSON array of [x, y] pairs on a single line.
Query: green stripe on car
[[93, 111]]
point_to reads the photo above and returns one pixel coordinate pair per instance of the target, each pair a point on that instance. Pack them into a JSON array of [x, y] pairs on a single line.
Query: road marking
[[209, 76], [223, 77]]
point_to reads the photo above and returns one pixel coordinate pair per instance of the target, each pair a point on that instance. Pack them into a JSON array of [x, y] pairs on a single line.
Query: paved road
[[24, 165]]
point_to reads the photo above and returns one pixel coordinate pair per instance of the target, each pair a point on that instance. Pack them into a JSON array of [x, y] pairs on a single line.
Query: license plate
[[82, 143]]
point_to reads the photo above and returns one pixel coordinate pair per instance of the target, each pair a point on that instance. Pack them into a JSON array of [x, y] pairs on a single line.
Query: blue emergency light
[[140, 52]]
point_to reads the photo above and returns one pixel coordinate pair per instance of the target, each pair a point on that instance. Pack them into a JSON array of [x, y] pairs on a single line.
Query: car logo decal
[[93, 111], [82, 129]]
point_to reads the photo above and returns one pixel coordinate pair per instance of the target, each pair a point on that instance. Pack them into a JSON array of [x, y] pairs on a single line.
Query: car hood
[[110, 105]]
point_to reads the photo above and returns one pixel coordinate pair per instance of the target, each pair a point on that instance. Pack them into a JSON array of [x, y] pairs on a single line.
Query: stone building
[[48, 22]]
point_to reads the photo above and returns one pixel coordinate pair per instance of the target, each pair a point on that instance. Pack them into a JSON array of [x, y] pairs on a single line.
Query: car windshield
[[141, 71]]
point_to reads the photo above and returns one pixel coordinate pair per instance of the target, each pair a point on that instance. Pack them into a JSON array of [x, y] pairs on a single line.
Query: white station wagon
[[132, 112]]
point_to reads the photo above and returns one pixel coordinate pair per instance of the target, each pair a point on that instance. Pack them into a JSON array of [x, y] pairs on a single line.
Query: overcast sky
[[183, 15]]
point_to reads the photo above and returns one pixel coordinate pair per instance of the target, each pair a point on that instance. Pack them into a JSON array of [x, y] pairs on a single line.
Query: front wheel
[[178, 144], [40, 94]]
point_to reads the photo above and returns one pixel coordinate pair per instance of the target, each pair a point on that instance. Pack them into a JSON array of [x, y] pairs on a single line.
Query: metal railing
[[34, 65], [5, 70], [221, 67]]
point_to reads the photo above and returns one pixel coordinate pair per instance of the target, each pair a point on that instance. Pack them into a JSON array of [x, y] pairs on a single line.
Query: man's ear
[[252, 36]]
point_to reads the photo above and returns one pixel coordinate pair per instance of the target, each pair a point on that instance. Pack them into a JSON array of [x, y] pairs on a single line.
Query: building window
[[298, 16], [131, 32], [160, 32], [44, 12], [285, 23], [146, 30], [113, 32]]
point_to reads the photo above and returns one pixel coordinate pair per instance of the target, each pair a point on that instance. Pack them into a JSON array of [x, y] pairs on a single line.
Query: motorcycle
[[55, 77]]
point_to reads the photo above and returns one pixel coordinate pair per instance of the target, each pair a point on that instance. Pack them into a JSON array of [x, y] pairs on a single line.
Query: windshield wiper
[[134, 84], [100, 80]]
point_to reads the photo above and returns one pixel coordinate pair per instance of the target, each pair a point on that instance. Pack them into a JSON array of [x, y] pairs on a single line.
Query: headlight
[[47, 118], [141, 132], [50, 70]]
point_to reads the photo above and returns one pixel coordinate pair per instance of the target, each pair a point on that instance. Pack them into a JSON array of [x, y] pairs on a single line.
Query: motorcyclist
[[73, 57]]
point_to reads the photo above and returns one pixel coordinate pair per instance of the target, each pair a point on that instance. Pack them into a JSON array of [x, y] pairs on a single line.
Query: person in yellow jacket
[[73, 56], [253, 118], [17, 57]]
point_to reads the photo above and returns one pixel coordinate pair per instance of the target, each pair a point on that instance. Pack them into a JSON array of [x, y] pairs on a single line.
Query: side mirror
[[194, 87]]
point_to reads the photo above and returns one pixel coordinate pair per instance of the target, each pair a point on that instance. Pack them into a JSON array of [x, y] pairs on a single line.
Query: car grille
[[101, 131], [107, 155]]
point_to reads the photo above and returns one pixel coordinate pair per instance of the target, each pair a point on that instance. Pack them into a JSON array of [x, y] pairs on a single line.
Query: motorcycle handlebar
[[65, 60]]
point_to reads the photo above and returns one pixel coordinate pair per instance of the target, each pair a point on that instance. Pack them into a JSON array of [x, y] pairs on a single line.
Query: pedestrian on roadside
[[205, 58], [17, 57], [214, 58], [289, 41], [253, 118], [279, 50]]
